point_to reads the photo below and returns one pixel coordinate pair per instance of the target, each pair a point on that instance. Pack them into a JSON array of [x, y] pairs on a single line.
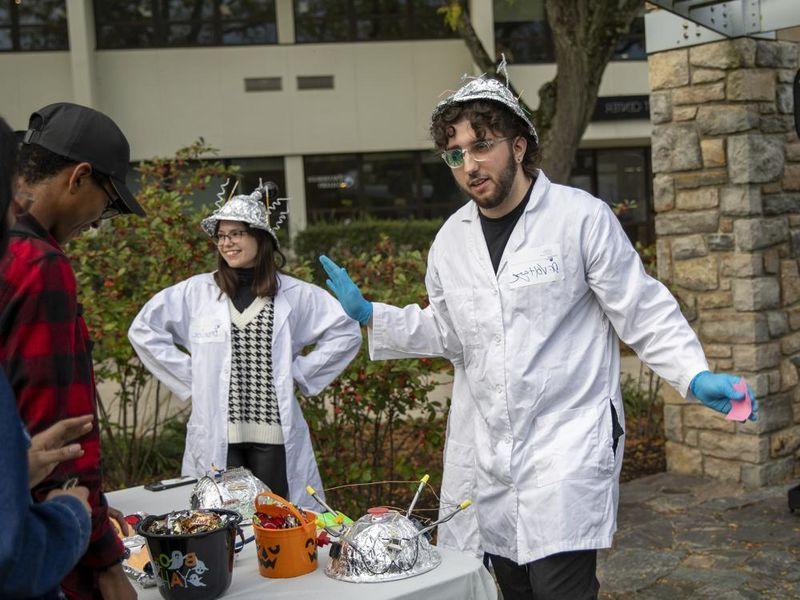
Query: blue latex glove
[[346, 291], [715, 390]]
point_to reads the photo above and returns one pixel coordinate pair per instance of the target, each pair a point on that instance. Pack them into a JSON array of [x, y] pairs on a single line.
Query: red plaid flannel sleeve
[[44, 348]]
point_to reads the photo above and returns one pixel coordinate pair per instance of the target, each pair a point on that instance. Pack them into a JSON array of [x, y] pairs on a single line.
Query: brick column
[[727, 195]]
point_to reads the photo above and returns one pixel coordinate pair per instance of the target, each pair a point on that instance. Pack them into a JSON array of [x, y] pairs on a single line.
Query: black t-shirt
[[497, 231]]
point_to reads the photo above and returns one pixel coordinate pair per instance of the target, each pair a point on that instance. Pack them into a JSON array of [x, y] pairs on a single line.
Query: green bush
[[376, 422], [644, 425], [358, 237]]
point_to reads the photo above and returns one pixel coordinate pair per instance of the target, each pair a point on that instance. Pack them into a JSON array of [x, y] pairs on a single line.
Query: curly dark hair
[[486, 116], [36, 163]]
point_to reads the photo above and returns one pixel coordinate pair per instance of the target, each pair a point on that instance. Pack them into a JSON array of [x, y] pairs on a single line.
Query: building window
[[620, 176], [27, 25], [368, 20], [522, 33], [181, 23], [386, 185]]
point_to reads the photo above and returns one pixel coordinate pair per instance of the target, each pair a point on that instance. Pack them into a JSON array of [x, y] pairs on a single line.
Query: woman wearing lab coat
[[244, 327]]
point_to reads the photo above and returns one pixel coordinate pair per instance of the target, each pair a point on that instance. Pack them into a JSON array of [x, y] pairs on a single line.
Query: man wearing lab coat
[[532, 284]]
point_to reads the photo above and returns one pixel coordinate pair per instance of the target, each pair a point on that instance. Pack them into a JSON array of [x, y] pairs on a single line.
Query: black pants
[[564, 576], [265, 461]]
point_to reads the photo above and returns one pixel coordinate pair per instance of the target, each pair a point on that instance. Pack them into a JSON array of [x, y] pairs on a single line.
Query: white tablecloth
[[459, 577]]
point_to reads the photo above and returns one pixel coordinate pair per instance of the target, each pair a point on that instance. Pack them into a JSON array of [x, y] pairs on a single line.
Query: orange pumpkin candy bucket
[[285, 552]]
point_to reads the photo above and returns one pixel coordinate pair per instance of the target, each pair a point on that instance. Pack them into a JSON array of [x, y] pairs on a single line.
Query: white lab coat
[[541, 354], [193, 315]]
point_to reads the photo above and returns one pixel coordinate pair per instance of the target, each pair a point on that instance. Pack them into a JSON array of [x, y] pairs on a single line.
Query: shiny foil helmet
[[235, 489], [484, 87], [383, 545], [257, 209]]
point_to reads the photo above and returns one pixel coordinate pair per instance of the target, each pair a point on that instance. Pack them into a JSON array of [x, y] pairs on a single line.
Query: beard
[[502, 186]]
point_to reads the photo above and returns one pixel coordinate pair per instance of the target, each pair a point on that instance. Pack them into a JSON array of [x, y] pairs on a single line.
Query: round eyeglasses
[[231, 236], [479, 151]]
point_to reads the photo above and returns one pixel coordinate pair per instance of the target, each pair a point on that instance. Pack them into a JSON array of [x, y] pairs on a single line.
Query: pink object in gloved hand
[[740, 409]]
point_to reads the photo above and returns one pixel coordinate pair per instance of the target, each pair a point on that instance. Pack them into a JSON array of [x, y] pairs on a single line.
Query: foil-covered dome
[[383, 545], [235, 489]]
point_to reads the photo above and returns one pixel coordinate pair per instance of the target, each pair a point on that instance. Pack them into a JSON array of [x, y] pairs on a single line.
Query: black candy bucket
[[193, 566]]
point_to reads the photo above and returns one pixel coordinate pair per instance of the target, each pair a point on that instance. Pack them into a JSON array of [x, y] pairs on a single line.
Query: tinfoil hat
[[484, 87], [255, 209]]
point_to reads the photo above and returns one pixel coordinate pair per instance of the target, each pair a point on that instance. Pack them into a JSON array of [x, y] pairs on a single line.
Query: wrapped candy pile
[[267, 522], [188, 522]]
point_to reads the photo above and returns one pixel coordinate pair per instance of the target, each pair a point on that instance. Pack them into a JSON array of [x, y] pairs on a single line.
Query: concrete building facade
[[326, 97]]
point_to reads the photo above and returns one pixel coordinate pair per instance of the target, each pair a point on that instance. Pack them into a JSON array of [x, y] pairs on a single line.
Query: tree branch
[[481, 57]]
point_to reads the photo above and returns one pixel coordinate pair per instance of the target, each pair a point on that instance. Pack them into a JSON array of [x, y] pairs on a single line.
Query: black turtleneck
[[244, 289]]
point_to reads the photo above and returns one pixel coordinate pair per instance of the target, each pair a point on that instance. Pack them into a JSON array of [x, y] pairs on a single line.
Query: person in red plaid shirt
[[72, 167]]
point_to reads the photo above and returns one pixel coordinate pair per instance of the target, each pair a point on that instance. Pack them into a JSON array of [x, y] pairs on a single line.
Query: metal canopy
[[690, 22]]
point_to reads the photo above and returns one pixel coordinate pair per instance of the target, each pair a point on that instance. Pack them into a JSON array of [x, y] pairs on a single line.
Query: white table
[[459, 577]]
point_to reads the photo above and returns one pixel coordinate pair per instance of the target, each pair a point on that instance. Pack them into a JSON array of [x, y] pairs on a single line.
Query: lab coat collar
[[476, 240], [469, 212], [282, 306]]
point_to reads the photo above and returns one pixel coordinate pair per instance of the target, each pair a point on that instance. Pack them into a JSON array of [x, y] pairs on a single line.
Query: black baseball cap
[[85, 135]]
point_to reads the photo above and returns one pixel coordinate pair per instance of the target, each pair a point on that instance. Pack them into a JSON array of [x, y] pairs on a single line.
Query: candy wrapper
[[137, 564], [271, 522], [187, 522]]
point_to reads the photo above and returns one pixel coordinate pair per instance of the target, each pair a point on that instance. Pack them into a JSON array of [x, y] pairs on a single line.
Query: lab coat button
[[494, 292], [498, 388], [497, 338], [508, 439]]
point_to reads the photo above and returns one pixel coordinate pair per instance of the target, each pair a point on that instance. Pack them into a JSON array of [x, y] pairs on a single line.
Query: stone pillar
[[80, 23], [726, 164], [284, 17], [296, 191]]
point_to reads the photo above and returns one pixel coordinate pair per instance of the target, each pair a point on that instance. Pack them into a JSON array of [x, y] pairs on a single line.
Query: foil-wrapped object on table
[[137, 564], [383, 545], [234, 489]]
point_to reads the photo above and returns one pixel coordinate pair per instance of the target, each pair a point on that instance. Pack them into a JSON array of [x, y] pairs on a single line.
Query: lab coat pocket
[[458, 479], [461, 306], [567, 444]]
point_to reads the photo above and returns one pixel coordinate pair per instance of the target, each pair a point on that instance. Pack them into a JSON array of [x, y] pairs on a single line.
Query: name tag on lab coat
[[532, 266], [207, 331]]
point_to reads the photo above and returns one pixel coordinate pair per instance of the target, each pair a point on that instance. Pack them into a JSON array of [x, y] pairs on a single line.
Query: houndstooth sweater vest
[[253, 414]]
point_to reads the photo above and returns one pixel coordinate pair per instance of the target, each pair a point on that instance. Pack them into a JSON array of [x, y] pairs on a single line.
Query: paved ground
[[683, 537]]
